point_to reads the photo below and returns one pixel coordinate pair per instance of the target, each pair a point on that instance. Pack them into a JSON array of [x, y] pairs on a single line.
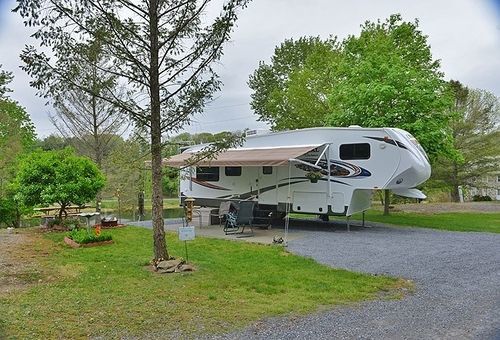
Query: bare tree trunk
[[97, 146], [159, 243], [387, 201]]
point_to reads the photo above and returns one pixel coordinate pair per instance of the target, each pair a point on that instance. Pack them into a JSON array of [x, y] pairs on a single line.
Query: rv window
[[232, 170], [267, 170], [355, 151], [208, 174]]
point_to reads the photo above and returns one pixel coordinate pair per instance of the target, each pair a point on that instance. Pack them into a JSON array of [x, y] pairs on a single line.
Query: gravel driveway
[[457, 279]]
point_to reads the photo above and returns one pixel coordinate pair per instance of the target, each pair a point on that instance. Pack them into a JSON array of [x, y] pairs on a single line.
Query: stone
[[165, 271], [168, 264], [186, 268]]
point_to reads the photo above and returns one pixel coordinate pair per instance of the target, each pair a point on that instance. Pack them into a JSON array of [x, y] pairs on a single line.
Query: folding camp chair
[[244, 218], [222, 212]]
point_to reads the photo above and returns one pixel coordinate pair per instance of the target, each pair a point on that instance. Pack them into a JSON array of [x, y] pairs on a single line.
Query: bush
[[82, 236], [68, 223], [479, 198]]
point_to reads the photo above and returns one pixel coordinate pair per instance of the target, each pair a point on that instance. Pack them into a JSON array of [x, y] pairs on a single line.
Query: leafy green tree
[[124, 169], [389, 78], [163, 50], [53, 142], [291, 92], [386, 76], [48, 177], [17, 136], [476, 134]]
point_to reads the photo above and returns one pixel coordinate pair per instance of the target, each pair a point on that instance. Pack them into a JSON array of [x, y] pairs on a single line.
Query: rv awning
[[275, 156]]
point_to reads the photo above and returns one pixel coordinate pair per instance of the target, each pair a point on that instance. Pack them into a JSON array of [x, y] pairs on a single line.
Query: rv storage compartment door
[[310, 202]]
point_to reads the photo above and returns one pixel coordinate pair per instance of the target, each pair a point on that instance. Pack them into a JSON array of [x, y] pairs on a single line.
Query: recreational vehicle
[[324, 171]]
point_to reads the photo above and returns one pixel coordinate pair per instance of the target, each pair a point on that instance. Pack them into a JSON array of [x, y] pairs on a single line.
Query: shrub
[[54, 222], [71, 223], [68, 223], [82, 236]]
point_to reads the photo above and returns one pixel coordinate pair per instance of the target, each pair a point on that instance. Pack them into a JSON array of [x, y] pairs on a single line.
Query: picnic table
[[53, 211]]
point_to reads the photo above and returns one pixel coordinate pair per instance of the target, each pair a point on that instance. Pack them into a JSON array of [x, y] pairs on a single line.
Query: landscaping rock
[[169, 270], [168, 264], [186, 268]]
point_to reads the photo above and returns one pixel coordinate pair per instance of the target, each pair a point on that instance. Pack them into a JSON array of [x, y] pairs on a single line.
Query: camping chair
[[222, 212], [244, 218]]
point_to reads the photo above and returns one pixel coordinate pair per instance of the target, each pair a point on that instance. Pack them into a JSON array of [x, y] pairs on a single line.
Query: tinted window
[[267, 170], [232, 170], [206, 173], [355, 151]]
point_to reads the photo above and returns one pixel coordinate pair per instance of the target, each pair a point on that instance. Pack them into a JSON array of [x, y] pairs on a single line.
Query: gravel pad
[[457, 286]]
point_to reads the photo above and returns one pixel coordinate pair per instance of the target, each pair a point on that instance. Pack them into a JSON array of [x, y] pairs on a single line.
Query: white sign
[[186, 233]]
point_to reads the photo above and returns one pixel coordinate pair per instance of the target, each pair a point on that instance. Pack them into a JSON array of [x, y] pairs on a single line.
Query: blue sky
[[496, 4], [464, 34]]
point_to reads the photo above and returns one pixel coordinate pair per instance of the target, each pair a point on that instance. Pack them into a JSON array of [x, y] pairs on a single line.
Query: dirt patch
[[430, 208], [20, 252]]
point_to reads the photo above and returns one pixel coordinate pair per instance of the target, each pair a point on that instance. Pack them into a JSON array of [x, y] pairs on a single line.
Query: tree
[[89, 122], [163, 50], [291, 92], [53, 142], [125, 171], [386, 76], [48, 177], [476, 137], [389, 78], [17, 136], [5, 79]]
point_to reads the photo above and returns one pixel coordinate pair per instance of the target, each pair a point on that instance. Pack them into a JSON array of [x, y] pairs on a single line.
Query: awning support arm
[[327, 146]]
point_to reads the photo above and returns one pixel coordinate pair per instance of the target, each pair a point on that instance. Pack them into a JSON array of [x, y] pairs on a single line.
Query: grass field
[[108, 291], [456, 221]]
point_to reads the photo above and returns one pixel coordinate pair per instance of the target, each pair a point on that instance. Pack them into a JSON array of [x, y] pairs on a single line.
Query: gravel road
[[457, 279]]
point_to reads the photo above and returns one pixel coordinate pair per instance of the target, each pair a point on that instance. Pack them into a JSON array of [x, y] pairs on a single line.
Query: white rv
[[279, 170]]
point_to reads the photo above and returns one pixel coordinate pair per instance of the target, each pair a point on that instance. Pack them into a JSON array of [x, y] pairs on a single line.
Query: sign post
[[186, 234]]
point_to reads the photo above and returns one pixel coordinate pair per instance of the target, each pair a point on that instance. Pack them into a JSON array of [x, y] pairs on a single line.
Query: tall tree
[[291, 91], [386, 76], [83, 117], [17, 136], [163, 50], [476, 133]]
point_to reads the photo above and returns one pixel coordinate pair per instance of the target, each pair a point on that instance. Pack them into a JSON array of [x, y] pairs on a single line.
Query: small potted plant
[[313, 176]]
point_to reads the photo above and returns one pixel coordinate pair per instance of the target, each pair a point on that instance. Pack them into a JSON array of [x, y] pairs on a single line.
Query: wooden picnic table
[[71, 210]]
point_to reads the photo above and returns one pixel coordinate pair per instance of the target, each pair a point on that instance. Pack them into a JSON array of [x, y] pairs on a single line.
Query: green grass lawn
[[109, 291], [463, 221]]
